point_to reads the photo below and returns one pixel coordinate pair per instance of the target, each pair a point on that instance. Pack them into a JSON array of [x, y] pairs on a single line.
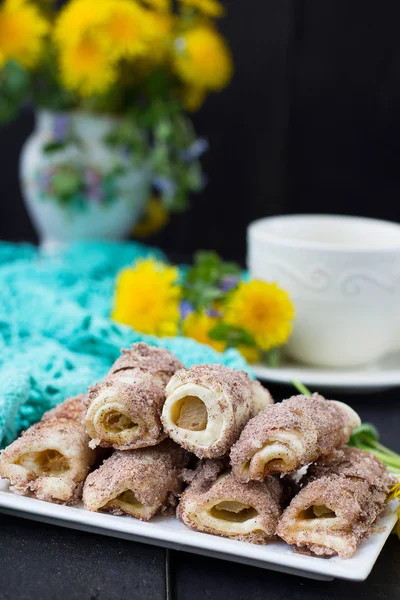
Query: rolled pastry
[[207, 407], [72, 408], [342, 498], [52, 458], [215, 502], [124, 410], [139, 483], [290, 435]]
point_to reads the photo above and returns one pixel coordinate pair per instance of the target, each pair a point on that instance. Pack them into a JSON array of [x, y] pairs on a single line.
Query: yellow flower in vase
[[202, 58], [22, 32], [147, 298], [124, 28], [210, 8], [154, 219], [263, 310], [157, 36], [193, 98], [158, 5], [86, 67], [77, 19]]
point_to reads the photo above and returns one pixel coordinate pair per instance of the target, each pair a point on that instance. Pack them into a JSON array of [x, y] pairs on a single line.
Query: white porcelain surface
[[381, 375], [343, 275], [56, 224], [171, 533]]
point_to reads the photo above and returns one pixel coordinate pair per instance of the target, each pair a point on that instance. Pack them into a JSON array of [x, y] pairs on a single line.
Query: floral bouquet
[[146, 62], [210, 302]]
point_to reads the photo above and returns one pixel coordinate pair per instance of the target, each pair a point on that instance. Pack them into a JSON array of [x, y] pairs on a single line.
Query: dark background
[[310, 123]]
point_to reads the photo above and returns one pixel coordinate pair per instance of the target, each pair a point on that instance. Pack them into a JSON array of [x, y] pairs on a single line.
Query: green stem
[[300, 387], [389, 455], [388, 451]]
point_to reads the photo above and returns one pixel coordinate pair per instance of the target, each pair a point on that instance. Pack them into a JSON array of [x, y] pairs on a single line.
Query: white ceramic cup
[[343, 276]]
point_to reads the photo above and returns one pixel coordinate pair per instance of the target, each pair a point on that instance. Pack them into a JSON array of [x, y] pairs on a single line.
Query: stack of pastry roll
[[207, 407], [290, 435], [216, 502], [246, 447], [52, 458], [139, 483], [143, 476], [244, 502], [342, 497], [124, 410]]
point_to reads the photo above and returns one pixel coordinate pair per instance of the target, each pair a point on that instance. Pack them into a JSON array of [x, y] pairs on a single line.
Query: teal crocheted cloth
[[56, 337]]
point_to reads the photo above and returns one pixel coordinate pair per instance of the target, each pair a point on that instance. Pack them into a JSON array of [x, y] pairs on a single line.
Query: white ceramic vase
[[103, 193]]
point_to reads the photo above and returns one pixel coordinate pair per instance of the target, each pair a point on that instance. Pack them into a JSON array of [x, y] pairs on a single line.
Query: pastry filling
[[115, 422], [127, 500], [275, 465], [317, 512], [48, 461], [190, 413], [234, 512]]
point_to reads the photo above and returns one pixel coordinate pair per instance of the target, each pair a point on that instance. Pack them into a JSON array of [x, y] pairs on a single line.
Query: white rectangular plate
[[171, 533]]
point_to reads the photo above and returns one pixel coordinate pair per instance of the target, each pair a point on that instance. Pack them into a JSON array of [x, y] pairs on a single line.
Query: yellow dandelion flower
[[198, 327], [193, 98], [250, 353], [202, 58], [22, 32], [263, 310], [124, 28], [77, 19], [147, 298], [395, 493], [159, 5], [86, 67], [157, 36], [211, 8], [154, 220]]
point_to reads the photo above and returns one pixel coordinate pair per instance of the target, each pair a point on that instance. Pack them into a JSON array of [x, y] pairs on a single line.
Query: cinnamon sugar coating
[[342, 497], [352, 463], [289, 435], [72, 408], [215, 501], [52, 458], [230, 398], [124, 410], [141, 401], [157, 362], [152, 475]]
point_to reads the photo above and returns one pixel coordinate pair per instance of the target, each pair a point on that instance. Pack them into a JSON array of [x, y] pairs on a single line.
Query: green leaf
[[14, 85], [301, 388], [17, 78], [364, 434], [203, 281], [54, 147], [233, 336]]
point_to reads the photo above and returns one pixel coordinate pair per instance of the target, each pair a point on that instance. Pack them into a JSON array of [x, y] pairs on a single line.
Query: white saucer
[[383, 375]]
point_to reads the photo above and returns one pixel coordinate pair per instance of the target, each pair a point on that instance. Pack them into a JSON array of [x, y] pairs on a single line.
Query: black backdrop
[[310, 123]]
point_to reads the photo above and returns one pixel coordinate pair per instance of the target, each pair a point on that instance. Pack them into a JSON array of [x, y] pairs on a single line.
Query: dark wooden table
[[45, 562]]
